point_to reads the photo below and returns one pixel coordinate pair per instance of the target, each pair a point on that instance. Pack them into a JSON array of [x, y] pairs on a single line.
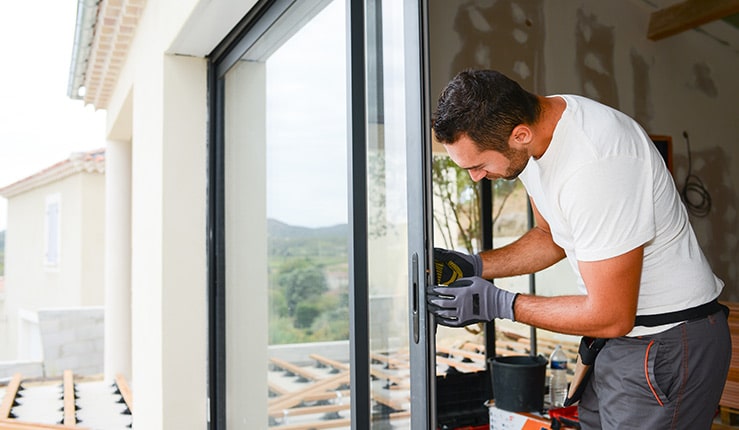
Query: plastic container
[[518, 382], [557, 377]]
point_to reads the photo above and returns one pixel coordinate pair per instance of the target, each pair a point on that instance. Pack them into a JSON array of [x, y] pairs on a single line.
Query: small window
[[52, 234]]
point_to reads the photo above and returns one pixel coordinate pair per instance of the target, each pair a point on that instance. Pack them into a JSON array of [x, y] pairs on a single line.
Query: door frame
[[259, 19]]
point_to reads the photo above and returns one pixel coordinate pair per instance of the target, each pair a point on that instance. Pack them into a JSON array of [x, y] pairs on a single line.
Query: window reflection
[[286, 226], [457, 226]]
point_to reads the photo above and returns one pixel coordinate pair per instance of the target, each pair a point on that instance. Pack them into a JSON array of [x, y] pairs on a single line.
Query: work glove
[[469, 300], [453, 265]]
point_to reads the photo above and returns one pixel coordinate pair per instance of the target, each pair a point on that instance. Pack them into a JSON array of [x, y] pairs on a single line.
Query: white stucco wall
[[165, 96], [78, 278]]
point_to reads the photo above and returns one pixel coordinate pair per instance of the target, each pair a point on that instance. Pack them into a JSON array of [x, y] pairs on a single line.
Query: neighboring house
[[187, 85], [54, 251]]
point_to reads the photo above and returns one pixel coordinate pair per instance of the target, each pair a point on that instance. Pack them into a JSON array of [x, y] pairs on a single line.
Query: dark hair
[[486, 105]]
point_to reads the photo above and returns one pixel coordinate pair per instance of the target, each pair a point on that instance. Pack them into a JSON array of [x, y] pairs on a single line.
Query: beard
[[518, 160]]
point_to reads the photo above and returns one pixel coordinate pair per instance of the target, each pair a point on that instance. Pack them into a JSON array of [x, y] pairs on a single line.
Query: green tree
[[301, 281], [332, 324], [460, 203], [306, 313], [459, 197]]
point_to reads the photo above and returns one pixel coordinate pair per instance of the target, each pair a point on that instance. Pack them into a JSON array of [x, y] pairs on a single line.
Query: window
[[285, 221]]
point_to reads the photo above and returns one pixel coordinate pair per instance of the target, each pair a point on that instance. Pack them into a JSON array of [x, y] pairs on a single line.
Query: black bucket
[[518, 382]]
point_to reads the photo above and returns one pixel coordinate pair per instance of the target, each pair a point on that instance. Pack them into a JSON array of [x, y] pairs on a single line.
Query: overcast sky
[[39, 124]]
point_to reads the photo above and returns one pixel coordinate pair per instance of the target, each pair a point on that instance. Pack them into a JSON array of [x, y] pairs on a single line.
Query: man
[[602, 198]]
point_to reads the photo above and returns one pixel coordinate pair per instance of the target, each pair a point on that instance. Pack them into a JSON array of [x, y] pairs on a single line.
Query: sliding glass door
[[317, 219], [397, 172]]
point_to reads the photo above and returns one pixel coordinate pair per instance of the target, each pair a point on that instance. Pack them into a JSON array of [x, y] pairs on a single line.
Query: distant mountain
[[290, 240], [279, 229]]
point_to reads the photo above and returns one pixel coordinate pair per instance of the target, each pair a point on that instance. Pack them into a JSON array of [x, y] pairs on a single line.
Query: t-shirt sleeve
[[611, 207]]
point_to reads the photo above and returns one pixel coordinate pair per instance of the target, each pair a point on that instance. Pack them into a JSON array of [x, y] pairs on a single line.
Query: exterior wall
[[29, 284], [92, 239], [167, 96], [599, 49]]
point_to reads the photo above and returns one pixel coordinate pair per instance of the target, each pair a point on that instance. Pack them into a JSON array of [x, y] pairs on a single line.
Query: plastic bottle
[[558, 377]]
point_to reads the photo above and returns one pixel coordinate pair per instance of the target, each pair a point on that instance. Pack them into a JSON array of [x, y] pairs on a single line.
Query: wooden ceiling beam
[[687, 15]]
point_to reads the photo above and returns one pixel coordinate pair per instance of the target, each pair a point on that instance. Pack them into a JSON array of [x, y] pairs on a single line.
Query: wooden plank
[[329, 395], [397, 404], [455, 352], [401, 380], [688, 14], [295, 369], [70, 417], [277, 389], [342, 422], [391, 362], [295, 398], [307, 410], [461, 366], [326, 424], [10, 392], [125, 390], [26, 425], [338, 365]]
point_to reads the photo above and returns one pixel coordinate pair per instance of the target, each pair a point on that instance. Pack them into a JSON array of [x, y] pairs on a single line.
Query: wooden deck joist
[[457, 352], [396, 380], [125, 390], [338, 365], [70, 408], [324, 424], [292, 399], [308, 410], [390, 362], [10, 393], [6, 424], [460, 365], [296, 370]]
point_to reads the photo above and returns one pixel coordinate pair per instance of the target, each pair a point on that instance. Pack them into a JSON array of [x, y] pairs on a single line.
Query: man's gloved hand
[[469, 300], [453, 265]]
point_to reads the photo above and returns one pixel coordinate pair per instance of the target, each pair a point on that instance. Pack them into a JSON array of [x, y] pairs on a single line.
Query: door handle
[[415, 298]]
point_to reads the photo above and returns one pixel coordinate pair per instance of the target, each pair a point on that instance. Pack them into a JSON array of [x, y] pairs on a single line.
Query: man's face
[[487, 163]]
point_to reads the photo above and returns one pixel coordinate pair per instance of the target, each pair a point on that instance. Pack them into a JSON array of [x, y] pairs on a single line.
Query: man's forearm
[[533, 251], [574, 315]]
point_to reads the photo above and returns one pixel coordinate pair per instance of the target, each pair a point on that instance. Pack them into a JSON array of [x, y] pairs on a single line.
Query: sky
[[39, 124]]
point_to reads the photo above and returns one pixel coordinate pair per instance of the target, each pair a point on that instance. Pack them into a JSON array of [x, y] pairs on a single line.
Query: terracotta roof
[[114, 28], [90, 161]]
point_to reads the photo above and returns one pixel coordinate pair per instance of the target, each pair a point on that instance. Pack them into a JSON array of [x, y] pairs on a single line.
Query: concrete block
[[29, 369], [72, 339]]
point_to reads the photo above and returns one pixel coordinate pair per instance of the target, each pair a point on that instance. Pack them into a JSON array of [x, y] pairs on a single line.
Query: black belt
[[697, 312]]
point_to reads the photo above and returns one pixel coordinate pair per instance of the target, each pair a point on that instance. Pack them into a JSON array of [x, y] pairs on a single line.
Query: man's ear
[[521, 136]]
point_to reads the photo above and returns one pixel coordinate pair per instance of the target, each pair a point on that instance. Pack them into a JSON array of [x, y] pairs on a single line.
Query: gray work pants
[[670, 380]]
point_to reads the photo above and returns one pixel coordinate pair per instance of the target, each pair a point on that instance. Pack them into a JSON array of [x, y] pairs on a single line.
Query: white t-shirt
[[604, 190]]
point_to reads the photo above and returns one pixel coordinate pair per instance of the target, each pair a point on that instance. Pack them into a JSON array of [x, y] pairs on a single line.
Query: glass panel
[[387, 207], [510, 220], [462, 384], [456, 226], [286, 225], [457, 42]]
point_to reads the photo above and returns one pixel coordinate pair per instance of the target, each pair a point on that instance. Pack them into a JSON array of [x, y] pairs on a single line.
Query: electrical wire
[[695, 195]]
